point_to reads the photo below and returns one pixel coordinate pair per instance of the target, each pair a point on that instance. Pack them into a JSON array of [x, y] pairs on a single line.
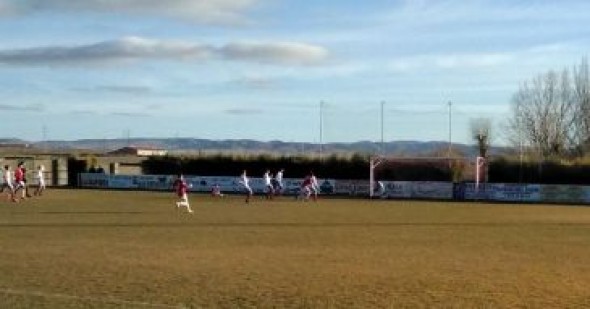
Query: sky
[[276, 69]]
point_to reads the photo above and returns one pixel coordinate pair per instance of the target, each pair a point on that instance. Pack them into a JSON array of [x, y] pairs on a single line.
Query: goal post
[[374, 162], [443, 169], [480, 172]]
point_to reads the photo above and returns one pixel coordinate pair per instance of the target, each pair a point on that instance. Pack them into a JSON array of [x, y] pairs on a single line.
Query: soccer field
[[105, 249]]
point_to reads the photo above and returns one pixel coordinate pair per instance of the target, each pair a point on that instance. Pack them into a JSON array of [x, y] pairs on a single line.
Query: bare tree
[[481, 129], [544, 114], [581, 98]]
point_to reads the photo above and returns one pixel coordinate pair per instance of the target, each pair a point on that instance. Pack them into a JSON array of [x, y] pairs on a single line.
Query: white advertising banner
[[565, 194], [351, 187], [89, 180], [398, 189], [506, 192], [432, 190], [198, 183], [418, 189], [471, 191], [393, 189]]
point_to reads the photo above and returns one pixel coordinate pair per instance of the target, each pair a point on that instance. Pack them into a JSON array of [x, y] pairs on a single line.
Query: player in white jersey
[[278, 182], [268, 184], [245, 183], [379, 190], [40, 180], [315, 186], [216, 191], [7, 181]]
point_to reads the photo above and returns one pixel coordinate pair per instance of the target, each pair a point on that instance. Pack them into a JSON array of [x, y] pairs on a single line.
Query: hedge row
[[354, 167], [507, 171], [357, 167]]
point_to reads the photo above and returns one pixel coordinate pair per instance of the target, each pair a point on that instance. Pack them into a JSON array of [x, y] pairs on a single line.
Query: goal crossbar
[[376, 161]]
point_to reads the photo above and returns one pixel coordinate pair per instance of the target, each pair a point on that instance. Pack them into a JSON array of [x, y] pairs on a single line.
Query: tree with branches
[[544, 114], [481, 129]]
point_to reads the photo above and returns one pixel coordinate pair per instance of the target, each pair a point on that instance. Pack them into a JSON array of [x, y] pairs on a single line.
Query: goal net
[[385, 171]]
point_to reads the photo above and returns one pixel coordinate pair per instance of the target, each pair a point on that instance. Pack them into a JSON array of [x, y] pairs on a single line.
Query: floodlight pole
[[321, 128], [373, 163], [450, 130], [520, 145], [44, 136], [382, 129]]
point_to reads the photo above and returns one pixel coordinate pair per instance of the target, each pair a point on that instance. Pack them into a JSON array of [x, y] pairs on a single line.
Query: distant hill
[[192, 145]]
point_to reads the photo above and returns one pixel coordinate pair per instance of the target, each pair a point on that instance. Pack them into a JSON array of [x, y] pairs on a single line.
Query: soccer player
[[278, 182], [19, 182], [245, 183], [181, 190], [305, 188], [40, 180], [268, 183], [26, 183], [315, 186], [7, 181], [216, 191], [379, 189]]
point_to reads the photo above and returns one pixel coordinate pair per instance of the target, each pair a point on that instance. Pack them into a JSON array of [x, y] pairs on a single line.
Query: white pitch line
[[88, 299]]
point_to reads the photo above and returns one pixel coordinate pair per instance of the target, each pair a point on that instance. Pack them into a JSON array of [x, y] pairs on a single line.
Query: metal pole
[[321, 128], [382, 129], [520, 146], [450, 130], [44, 133]]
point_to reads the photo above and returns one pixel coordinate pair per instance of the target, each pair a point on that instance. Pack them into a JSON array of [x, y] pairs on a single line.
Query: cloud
[[137, 48], [129, 114], [23, 108], [200, 11], [255, 82], [83, 113], [243, 111], [427, 12], [103, 113], [7, 7], [128, 48], [136, 90], [450, 61], [281, 52], [471, 60]]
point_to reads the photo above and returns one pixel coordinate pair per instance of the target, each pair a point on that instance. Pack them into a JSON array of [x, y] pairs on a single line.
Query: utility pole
[[321, 128], [128, 136], [44, 137], [450, 130], [382, 129]]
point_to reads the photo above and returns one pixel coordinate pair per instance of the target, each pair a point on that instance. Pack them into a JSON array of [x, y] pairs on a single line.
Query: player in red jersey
[[305, 188], [181, 187], [19, 182]]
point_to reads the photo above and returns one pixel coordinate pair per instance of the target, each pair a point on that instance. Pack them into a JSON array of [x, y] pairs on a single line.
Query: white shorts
[[20, 184], [7, 185], [306, 190]]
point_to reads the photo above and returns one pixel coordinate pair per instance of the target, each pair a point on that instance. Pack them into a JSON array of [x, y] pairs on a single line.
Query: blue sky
[[258, 69]]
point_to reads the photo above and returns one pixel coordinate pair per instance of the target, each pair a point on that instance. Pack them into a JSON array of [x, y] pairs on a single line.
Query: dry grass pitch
[[102, 249]]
